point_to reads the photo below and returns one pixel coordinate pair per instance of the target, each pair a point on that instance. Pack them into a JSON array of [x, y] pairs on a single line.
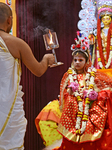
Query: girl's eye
[[80, 60], [75, 60]]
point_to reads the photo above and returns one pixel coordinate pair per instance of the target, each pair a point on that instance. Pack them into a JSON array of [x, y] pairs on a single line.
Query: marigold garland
[[82, 115]]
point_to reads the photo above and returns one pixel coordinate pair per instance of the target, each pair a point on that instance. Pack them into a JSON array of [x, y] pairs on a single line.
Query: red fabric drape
[[60, 16]]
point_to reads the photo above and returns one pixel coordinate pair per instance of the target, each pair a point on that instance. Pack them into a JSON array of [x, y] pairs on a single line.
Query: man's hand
[[50, 59]]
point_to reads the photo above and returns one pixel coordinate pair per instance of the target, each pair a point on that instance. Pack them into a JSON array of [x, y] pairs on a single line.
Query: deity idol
[[103, 42]]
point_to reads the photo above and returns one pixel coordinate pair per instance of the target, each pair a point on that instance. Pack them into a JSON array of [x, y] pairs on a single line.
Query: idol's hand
[[91, 38]]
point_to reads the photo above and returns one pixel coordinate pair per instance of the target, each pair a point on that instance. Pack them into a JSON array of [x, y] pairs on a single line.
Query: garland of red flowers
[[99, 40], [108, 41], [100, 43]]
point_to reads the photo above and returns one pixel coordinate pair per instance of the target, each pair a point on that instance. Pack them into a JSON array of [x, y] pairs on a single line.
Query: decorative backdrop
[[12, 5], [33, 17]]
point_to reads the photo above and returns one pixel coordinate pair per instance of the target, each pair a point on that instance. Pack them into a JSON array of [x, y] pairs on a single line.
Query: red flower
[[86, 42], [78, 46], [73, 46], [83, 48], [78, 32]]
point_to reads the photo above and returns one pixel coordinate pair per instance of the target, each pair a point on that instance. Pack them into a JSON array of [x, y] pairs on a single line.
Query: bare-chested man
[[12, 50]]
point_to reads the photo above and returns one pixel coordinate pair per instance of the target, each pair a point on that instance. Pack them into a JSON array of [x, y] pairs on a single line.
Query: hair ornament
[[81, 43]]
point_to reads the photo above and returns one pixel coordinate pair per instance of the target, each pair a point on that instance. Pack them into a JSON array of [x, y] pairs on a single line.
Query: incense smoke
[[41, 15]]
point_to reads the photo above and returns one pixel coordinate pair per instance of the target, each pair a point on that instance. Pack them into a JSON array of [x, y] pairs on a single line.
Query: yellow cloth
[[47, 123], [106, 71], [54, 107], [49, 132]]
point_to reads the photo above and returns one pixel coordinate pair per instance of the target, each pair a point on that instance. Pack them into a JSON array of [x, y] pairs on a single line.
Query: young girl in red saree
[[85, 102]]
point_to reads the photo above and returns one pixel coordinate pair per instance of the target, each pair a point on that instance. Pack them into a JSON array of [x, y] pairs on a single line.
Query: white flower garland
[[82, 116], [100, 63]]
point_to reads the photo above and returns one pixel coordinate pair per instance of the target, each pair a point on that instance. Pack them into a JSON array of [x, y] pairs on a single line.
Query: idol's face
[[106, 20], [79, 63]]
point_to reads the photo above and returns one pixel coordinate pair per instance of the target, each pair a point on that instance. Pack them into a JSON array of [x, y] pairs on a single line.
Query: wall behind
[[33, 17]]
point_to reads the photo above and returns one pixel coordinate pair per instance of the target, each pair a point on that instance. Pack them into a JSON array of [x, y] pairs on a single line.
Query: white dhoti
[[12, 118]]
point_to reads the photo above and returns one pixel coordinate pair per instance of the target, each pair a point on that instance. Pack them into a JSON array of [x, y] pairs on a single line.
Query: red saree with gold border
[[98, 133]]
